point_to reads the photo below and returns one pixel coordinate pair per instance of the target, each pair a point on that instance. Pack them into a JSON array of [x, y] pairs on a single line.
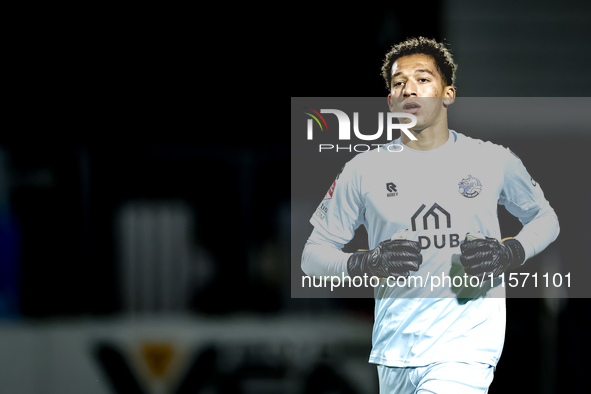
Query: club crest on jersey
[[470, 187]]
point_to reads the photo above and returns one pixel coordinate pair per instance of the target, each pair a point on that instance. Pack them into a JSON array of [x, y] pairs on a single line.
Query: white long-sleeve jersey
[[439, 196]]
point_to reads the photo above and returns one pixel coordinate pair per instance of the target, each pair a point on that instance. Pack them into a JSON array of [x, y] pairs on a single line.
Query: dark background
[[114, 114], [504, 49]]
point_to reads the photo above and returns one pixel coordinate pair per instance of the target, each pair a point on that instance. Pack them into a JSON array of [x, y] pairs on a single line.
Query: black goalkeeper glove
[[394, 257], [483, 256]]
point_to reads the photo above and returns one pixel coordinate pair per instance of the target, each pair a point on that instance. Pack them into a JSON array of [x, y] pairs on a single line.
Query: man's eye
[[397, 84], [424, 80]]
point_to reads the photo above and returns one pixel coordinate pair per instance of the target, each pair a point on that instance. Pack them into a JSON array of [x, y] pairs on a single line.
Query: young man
[[418, 206]]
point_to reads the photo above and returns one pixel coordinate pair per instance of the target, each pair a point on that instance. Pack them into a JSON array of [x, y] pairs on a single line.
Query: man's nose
[[410, 89]]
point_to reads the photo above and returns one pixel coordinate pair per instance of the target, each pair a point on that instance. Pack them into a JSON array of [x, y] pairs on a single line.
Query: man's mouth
[[411, 108]]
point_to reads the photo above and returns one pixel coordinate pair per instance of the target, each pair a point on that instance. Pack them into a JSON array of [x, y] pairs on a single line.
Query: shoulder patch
[[330, 191]]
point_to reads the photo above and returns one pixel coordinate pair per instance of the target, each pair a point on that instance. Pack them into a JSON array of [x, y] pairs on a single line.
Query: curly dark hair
[[425, 46]]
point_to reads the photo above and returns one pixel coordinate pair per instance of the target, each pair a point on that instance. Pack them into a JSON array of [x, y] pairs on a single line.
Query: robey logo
[[344, 132], [391, 187]]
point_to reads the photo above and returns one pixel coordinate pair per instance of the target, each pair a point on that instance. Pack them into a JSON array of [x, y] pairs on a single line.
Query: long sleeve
[[523, 197], [323, 257], [335, 221]]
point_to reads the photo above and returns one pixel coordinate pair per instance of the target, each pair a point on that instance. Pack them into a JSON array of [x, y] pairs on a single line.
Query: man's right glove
[[394, 257]]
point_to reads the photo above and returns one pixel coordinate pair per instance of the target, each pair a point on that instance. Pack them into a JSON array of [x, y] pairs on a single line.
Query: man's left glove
[[483, 256]]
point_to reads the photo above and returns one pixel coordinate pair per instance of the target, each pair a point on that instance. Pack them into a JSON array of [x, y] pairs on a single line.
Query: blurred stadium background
[[163, 265]]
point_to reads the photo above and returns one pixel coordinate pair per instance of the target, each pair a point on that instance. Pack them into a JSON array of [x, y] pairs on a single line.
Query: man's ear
[[450, 96]]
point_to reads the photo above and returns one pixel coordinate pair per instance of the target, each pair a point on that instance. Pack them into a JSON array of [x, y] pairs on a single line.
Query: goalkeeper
[[447, 185]]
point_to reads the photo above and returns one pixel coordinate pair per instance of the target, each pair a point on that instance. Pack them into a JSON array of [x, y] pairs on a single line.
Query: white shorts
[[440, 378]]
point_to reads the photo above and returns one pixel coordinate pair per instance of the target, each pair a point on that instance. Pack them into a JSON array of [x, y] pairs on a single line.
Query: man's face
[[418, 88]]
